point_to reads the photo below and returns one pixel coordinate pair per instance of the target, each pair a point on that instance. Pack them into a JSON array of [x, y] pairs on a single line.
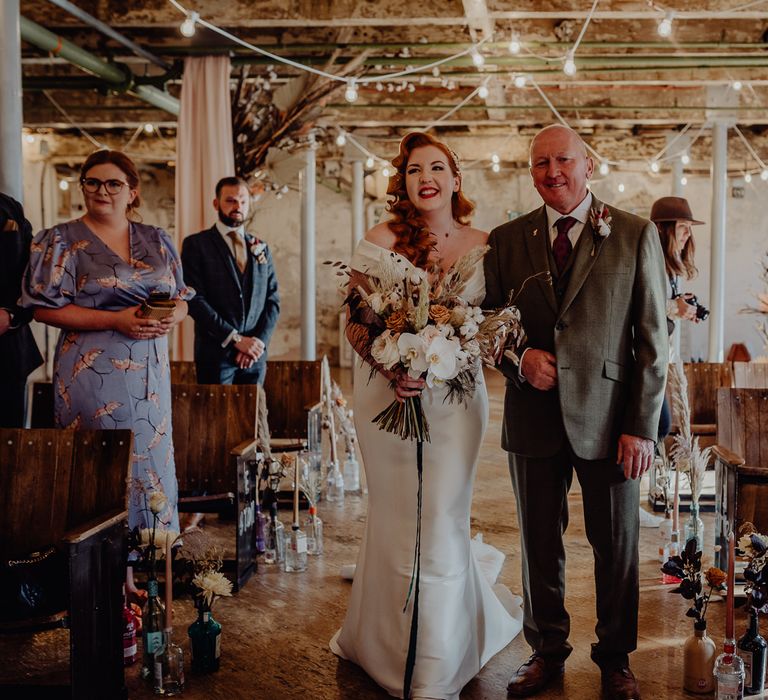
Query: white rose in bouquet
[[385, 351]]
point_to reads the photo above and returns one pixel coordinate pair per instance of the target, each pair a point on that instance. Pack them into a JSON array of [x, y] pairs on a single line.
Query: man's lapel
[[536, 234], [586, 254], [223, 251]]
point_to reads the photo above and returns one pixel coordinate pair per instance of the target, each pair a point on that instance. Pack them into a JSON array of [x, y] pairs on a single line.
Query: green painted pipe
[[48, 41]]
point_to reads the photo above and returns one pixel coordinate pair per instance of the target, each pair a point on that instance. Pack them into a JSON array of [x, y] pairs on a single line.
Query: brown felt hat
[[672, 209]]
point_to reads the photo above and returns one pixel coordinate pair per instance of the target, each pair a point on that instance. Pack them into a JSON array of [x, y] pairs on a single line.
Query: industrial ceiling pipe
[[48, 41]]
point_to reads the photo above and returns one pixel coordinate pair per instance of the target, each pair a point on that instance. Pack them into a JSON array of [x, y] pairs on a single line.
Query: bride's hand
[[406, 387]]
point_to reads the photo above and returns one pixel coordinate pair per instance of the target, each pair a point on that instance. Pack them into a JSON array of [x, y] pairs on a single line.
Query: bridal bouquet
[[421, 325]]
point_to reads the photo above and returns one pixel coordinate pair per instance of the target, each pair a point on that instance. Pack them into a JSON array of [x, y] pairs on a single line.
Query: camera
[[702, 312]]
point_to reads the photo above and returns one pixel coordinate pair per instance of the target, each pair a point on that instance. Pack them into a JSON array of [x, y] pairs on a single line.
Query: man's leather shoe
[[534, 675], [619, 683]]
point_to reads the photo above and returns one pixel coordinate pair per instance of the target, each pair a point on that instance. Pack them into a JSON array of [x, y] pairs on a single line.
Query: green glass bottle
[[205, 636], [152, 633]]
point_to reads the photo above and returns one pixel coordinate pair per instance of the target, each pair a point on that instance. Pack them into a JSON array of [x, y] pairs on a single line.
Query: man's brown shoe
[[534, 675], [619, 683]]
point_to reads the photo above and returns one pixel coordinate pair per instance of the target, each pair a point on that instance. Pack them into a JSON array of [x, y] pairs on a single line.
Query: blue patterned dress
[[104, 379]]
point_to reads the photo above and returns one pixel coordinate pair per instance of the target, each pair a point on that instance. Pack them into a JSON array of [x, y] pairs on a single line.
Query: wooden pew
[[750, 375], [183, 372], [704, 380], [214, 442], [741, 463], [66, 489]]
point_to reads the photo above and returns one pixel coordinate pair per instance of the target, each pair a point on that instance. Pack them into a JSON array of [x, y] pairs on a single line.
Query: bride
[[462, 621]]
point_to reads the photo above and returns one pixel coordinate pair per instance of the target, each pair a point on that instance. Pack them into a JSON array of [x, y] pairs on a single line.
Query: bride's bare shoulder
[[476, 236], [381, 235]]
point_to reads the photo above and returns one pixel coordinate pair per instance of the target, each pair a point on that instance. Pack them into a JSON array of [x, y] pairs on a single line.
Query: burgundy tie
[[561, 246]]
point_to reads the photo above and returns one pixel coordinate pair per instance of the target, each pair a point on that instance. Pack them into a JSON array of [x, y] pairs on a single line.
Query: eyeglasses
[[93, 185]]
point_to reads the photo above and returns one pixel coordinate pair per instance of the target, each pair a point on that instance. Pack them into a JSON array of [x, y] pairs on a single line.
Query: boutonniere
[[601, 225], [258, 250]]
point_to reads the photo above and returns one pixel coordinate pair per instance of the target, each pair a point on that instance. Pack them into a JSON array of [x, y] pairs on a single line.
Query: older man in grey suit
[[585, 394]]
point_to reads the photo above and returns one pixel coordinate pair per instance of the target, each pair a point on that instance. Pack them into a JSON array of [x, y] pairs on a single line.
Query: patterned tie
[[238, 245], [561, 246]]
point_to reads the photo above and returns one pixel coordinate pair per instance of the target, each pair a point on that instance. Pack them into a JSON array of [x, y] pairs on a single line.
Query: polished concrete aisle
[[276, 630]]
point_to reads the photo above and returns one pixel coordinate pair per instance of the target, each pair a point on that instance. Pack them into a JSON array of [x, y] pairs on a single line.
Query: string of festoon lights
[[520, 80]]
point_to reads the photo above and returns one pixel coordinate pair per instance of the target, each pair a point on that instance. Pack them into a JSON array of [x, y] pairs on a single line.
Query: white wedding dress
[[462, 622]]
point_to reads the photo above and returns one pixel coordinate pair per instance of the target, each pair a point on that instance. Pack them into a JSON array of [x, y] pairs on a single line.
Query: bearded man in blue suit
[[237, 302]]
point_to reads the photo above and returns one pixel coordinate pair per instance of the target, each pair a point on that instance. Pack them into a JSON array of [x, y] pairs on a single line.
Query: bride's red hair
[[413, 238]]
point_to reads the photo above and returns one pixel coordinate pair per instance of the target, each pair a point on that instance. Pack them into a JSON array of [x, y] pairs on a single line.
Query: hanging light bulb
[[604, 168], [621, 187], [747, 177], [29, 138], [341, 139], [477, 58], [655, 167], [514, 44], [683, 180], [482, 92], [665, 26], [569, 67], [149, 128], [520, 81], [495, 167], [63, 185], [189, 25], [370, 162], [764, 174], [737, 85], [495, 158], [350, 94], [436, 71], [685, 158], [379, 86], [385, 171]]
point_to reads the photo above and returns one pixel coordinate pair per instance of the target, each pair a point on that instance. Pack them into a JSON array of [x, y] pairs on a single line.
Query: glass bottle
[[334, 491], [274, 552], [205, 636], [130, 625], [351, 474], [313, 526], [665, 537], [296, 551], [699, 655], [694, 528], [259, 530], [729, 673], [752, 650], [169, 666], [152, 633]]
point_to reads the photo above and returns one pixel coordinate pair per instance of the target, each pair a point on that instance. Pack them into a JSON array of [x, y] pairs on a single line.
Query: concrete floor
[[276, 630]]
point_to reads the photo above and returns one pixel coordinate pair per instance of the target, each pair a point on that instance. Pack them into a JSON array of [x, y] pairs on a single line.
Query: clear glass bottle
[[169, 666], [130, 625], [351, 473], [729, 673], [665, 537], [153, 626], [694, 528], [296, 551], [313, 527], [334, 491], [260, 526], [274, 552], [205, 636], [752, 650]]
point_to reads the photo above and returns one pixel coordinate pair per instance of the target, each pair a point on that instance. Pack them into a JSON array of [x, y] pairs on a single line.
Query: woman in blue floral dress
[[111, 370]]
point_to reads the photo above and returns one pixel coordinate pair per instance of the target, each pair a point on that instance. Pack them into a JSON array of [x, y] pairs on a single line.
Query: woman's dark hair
[[413, 238], [123, 162], [677, 263]]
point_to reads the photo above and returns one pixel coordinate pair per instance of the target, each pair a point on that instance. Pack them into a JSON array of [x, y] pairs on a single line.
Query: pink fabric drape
[[203, 156]]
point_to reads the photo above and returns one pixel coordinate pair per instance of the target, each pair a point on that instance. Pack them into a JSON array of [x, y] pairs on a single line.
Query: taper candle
[[296, 491], [676, 503], [168, 583], [731, 585]]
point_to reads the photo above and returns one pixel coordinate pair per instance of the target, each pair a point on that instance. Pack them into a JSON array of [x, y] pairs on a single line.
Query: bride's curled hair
[[413, 239]]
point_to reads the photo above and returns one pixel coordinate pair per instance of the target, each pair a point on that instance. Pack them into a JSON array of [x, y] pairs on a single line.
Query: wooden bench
[[704, 380], [741, 464], [214, 442], [750, 375], [66, 489]]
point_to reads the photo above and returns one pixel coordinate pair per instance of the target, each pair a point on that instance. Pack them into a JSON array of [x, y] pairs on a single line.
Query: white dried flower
[[212, 584], [157, 502]]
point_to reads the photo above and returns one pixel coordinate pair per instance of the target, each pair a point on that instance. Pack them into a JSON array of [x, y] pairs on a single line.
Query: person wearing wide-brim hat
[[674, 219]]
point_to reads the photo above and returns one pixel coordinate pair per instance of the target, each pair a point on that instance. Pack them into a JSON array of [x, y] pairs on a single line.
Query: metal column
[[10, 100], [717, 260], [358, 195], [308, 258]]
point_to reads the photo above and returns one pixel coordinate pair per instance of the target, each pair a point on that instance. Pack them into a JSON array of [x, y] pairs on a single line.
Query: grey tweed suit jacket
[[608, 332]]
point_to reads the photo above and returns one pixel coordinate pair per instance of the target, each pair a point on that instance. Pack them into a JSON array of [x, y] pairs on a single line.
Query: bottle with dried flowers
[[752, 647], [699, 652]]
